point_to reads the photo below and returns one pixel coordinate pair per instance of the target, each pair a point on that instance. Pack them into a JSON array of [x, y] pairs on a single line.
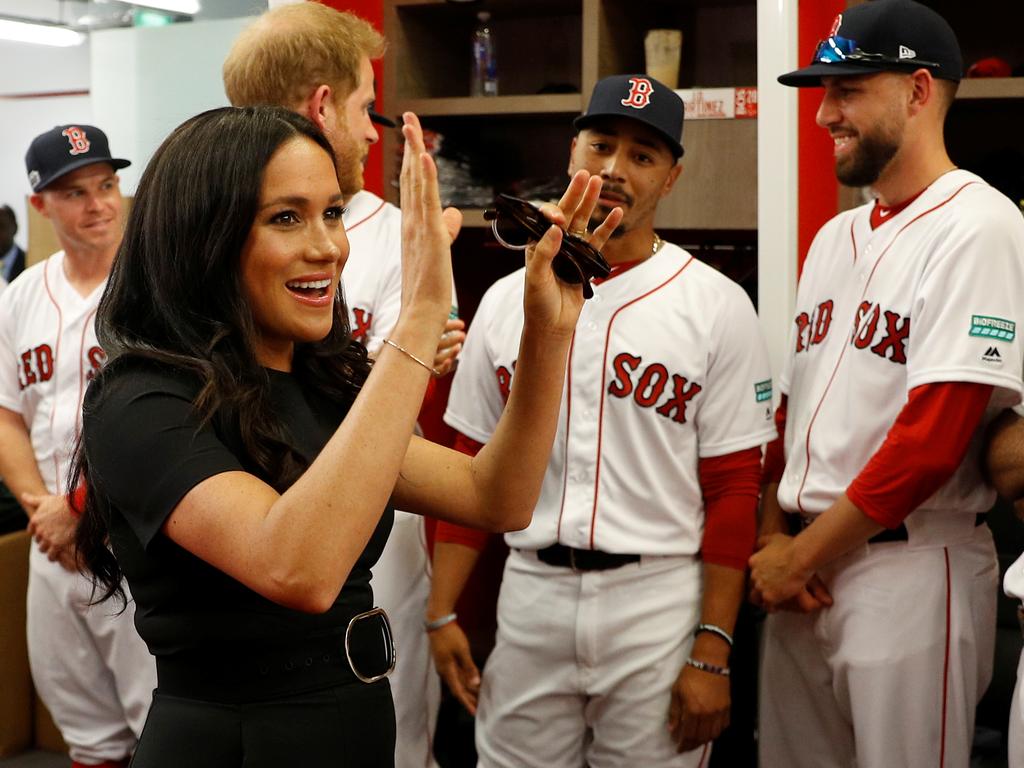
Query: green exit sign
[[147, 18]]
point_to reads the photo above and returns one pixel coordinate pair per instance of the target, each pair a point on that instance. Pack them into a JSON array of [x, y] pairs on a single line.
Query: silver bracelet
[[703, 666], [407, 353], [443, 621], [714, 629]]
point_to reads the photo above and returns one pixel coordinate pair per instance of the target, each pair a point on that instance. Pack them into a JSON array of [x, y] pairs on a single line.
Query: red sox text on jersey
[[884, 332]]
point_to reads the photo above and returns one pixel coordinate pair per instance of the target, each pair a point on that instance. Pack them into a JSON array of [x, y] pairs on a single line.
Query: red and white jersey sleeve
[[372, 277], [49, 354], [932, 295], [667, 366]]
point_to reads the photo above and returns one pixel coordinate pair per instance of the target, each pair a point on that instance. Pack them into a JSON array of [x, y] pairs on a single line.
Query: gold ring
[[579, 232]]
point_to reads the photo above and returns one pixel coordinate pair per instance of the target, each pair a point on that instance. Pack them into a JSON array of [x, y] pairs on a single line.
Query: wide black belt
[[252, 673], [583, 559], [899, 533]]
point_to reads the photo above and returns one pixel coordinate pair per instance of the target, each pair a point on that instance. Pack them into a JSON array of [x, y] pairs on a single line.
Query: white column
[[776, 174]]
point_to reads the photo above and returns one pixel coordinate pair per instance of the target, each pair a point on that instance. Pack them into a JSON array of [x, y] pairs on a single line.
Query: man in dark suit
[[12, 258]]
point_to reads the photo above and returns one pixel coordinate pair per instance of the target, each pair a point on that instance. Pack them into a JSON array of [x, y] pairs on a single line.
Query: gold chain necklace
[[656, 245]]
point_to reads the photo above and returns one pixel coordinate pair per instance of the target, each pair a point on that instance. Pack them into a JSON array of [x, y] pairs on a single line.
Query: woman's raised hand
[[550, 303], [427, 232]]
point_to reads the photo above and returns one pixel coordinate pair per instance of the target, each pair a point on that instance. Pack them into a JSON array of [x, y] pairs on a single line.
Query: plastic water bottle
[[484, 81]]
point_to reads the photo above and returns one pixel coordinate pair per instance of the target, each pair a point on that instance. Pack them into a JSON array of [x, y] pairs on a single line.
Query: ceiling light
[[39, 34], [175, 6]]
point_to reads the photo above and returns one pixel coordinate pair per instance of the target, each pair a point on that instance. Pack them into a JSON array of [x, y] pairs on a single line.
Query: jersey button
[[591, 326]]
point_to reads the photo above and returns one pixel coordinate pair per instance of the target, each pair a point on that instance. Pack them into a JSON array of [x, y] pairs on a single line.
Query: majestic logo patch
[[640, 90], [907, 53], [763, 390], [993, 327], [992, 356], [77, 139]]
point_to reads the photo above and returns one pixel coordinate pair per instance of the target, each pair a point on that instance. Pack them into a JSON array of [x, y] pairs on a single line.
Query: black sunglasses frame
[[576, 262]]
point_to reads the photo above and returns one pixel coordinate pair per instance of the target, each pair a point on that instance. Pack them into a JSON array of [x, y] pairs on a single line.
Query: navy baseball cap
[[883, 36], [379, 119], [66, 148], [638, 97]]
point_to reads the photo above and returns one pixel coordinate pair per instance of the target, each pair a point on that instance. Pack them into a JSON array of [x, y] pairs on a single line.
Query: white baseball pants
[[89, 666], [1015, 746], [584, 663], [890, 675]]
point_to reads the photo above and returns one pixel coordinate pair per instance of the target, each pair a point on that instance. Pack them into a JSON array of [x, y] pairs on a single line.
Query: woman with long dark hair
[[241, 458]]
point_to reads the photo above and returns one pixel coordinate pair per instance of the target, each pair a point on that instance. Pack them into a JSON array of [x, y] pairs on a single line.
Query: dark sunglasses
[[517, 223], [834, 50]]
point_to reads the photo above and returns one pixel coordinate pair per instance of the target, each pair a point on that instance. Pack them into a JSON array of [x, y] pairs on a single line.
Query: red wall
[[817, 186], [372, 11]]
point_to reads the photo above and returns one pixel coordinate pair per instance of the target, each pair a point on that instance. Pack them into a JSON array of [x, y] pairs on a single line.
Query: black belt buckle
[[370, 646]]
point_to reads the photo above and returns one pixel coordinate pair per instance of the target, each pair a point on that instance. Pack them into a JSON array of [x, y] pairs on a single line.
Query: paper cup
[[662, 48]]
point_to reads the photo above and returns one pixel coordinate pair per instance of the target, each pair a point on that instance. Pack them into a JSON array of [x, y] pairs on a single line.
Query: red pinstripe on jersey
[[56, 358], [842, 351], [604, 389], [366, 218], [568, 433]]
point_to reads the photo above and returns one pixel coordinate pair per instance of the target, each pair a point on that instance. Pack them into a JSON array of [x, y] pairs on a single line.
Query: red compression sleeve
[[457, 534], [923, 449], [76, 501], [730, 485], [775, 455]]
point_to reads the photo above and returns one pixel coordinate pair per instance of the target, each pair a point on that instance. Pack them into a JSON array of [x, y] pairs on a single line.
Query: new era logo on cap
[[64, 149], [907, 53]]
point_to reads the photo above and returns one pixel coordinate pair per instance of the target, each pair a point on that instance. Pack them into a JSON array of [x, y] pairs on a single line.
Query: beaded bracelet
[[714, 629], [443, 621], [703, 666], [407, 353]]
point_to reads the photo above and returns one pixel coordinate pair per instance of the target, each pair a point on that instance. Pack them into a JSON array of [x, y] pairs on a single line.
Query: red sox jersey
[[932, 295], [48, 355], [667, 366], [372, 277]]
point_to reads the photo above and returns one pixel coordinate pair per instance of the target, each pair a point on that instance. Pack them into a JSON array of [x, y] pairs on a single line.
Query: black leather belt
[[899, 533], [583, 559]]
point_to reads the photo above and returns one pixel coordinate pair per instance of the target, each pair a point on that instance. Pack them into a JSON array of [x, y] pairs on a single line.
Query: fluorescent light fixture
[[175, 6], [39, 34]]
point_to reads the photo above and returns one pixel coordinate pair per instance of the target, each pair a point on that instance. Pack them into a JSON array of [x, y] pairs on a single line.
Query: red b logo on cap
[[77, 139], [640, 89]]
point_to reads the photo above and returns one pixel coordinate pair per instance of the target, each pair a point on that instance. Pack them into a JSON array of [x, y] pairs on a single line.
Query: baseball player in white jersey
[[904, 347], [1005, 464], [332, 83], [668, 392], [90, 668]]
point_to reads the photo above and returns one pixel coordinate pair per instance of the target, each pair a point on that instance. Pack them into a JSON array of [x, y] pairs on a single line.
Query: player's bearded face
[[866, 121], [636, 166], [873, 148], [350, 156]]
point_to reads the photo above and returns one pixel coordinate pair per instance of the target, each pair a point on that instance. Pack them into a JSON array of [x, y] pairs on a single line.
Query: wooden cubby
[[550, 55]]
